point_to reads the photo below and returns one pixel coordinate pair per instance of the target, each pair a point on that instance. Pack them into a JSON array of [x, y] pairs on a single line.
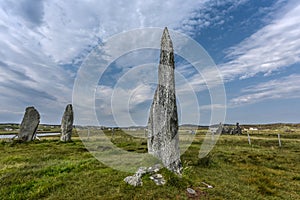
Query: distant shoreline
[[16, 132]]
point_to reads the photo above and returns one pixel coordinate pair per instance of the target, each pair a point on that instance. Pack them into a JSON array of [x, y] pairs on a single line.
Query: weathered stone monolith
[[29, 124], [163, 139], [67, 124]]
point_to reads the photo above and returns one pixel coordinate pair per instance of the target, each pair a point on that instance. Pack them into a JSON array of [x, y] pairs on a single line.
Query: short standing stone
[[67, 124], [163, 139], [238, 129], [29, 124]]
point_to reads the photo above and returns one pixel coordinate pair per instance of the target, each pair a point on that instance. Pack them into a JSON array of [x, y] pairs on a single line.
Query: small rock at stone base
[[158, 179], [134, 180], [141, 171], [154, 168], [191, 191], [157, 176]]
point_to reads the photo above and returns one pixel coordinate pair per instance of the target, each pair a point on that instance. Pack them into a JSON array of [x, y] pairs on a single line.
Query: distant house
[[213, 129], [253, 129], [191, 132], [8, 129]]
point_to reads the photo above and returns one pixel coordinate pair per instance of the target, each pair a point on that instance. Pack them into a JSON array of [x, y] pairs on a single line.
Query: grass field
[[49, 169]]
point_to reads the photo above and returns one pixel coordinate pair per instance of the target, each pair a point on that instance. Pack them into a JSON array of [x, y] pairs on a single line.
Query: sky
[[255, 46]]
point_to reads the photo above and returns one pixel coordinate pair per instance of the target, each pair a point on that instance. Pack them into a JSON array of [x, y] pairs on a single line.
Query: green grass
[[49, 169]]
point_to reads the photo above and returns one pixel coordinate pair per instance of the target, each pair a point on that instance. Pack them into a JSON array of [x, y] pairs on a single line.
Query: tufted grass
[[49, 169]]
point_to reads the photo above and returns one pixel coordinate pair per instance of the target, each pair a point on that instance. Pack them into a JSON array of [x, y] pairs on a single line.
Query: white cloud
[[27, 76], [209, 15], [65, 29], [272, 48], [128, 101], [38, 36], [283, 88], [212, 106], [77, 24]]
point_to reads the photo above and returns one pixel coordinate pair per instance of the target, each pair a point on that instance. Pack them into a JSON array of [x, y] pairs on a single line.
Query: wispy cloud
[[77, 25], [65, 29], [128, 101], [272, 48], [39, 40], [283, 88], [211, 13], [213, 106], [27, 75]]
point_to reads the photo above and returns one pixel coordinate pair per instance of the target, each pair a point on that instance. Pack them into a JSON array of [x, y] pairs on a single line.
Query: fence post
[[279, 141], [249, 140]]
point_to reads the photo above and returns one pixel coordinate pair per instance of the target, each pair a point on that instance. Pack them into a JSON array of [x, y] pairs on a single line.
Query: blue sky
[[255, 45]]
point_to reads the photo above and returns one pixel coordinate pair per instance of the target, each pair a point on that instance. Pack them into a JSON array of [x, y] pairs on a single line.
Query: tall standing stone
[[29, 124], [163, 139], [67, 124]]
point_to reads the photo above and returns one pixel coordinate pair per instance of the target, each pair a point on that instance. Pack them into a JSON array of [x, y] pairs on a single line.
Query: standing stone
[[67, 124], [163, 139], [238, 129], [29, 124]]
